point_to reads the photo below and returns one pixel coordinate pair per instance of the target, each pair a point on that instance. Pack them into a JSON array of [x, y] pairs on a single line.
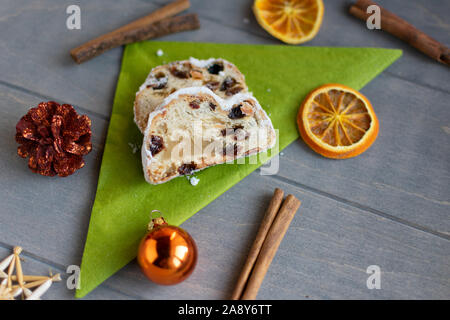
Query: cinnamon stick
[[270, 246], [267, 221], [158, 23], [404, 31]]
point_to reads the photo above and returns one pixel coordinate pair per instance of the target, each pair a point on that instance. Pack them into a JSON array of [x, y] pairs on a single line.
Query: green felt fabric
[[279, 77]]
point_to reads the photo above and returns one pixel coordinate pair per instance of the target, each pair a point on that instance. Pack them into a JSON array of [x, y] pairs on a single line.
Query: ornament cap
[[156, 221]]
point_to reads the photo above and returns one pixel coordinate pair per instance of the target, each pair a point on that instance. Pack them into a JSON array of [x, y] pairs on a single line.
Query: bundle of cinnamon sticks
[[158, 23], [275, 223]]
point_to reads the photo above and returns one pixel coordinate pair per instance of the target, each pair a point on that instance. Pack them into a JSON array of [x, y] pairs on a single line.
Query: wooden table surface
[[388, 207]]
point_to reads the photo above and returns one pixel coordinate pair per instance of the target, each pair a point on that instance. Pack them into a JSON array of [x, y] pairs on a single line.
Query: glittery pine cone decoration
[[55, 138]]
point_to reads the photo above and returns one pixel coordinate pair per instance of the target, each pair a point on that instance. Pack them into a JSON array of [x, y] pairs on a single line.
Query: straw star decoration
[[18, 285]]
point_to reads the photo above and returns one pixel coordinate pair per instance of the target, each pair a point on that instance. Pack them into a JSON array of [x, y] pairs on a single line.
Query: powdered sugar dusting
[[152, 81], [201, 63], [134, 147], [194, 181], [191, 91]]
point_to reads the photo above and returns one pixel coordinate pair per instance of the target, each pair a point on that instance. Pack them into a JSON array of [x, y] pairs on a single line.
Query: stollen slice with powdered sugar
[[194, 128], [219, 75]]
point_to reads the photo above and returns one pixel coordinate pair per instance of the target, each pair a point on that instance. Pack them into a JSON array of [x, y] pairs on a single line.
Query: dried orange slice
[[291, 21], [337, 121]]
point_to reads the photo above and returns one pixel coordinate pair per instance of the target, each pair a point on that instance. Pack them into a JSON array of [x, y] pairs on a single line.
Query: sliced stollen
[[219, 75], [194, 128]]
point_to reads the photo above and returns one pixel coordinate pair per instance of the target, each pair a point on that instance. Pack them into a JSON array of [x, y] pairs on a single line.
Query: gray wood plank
[[406, 173], [45, 46], [400, 192], [45, 51], [324, 255], [57, 234], [58, 290], [230, 35]]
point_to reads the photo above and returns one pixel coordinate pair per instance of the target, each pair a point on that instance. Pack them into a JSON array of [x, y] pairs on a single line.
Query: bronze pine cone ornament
[[55, 138]]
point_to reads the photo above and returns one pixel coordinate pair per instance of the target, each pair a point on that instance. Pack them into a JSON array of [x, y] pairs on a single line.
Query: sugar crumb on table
[[193, 180], [134, 147]]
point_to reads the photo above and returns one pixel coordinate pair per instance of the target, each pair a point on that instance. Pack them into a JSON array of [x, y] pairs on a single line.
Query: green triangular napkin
[[279, 76]]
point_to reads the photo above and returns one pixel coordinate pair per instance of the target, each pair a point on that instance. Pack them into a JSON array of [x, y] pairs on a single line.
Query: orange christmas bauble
[[167, 255]]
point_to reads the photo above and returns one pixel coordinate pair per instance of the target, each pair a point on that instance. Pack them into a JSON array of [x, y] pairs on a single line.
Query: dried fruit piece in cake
[[220, 76], [196, 138]]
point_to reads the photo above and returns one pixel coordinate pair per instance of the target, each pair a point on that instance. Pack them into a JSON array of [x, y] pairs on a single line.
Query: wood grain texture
[[389, 206], [45, 46]]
